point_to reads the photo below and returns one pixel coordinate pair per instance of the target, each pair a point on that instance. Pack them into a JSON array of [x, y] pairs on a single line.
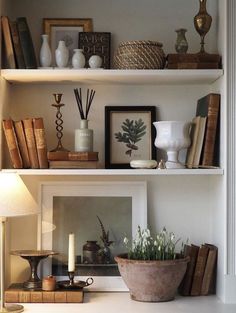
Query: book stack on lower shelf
[[205, 134], [26, 143], [200, 276], [17, 294], [73, 160]]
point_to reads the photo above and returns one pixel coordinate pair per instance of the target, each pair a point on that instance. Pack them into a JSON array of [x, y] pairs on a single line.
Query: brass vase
[[202, 23]]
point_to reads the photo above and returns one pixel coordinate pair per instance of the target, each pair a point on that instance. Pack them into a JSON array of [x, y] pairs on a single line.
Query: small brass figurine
[[202, 23], [58, 122], [161, 165]]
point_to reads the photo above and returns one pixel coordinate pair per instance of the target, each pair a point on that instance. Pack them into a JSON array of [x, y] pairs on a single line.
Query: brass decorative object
[[59, 122], [33, 257], [73, 284], [202, 23]]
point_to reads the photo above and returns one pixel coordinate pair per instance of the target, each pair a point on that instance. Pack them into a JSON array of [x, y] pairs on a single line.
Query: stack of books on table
[[73, 160]]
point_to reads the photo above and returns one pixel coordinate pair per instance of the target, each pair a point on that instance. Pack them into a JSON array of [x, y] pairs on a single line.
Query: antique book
[[40, 140], [210, 270], [20, 62], [193, 135], [192, 252], [193, 65], [58, 155], [73, 164], [209, 106], [31, 144], [26, 43], [199, 144], [17, 294], [20, 135], [83, 156], [10, 57], [194, 58], [95, 43], [199, 270], [12, 144]]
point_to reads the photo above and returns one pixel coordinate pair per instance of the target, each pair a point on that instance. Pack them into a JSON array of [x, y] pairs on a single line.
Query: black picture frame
[[118, 153]]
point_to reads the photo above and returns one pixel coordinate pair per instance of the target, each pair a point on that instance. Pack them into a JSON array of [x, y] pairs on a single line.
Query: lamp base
[[17, 308]]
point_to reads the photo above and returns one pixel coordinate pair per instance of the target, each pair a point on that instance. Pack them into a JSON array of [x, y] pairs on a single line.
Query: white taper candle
[[71, 253]]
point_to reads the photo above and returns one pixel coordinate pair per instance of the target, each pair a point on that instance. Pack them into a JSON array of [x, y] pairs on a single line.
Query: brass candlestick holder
[[202, 23], [71, 284], [59, 122]]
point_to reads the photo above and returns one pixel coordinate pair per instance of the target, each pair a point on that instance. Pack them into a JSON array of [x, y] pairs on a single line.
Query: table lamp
[[15, 200]]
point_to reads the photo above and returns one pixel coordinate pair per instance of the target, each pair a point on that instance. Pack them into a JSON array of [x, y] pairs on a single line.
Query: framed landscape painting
[[129, 135]]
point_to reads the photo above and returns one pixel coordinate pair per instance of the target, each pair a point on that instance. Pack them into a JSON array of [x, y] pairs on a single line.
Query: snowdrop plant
[[147, 247]]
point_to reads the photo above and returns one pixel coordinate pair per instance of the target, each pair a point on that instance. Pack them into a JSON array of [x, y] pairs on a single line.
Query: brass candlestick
[[202, 23], [59, 122]]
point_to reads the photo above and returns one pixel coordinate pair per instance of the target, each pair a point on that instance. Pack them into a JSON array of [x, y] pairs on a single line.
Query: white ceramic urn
[[172, 136], [62, 54]]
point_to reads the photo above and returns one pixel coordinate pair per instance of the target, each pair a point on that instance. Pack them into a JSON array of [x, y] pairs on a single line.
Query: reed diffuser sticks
[[89, 99]]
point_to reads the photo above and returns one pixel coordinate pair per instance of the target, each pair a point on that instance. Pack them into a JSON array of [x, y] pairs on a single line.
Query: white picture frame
[[137, 190]]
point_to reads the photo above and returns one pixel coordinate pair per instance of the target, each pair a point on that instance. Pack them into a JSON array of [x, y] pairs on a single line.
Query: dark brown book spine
[[192, 252], [193, 65], [12, 143], [20, 134], [16, 45], [210, 270], [209, 106], [193, 57], [40, 140], [31, 144], [199, 270], [26, 43], [10, 57]]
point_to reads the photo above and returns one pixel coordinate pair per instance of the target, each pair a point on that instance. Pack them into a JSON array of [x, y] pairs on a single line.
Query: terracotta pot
[[152, 281]]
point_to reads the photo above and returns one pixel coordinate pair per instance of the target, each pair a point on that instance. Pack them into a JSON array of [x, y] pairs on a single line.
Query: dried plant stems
[[89, 100]]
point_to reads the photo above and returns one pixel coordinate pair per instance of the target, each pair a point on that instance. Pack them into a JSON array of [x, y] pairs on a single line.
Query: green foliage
[[146, 247], [133, 131]]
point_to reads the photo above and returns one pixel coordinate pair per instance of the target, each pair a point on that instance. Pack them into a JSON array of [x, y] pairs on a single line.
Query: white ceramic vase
[[45, 55], [84, 137], [95, 61], [172, 136], [78, 59], [62, 54]]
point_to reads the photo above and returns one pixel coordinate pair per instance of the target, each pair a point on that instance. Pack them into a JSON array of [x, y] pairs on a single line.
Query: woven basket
[[139, 55]]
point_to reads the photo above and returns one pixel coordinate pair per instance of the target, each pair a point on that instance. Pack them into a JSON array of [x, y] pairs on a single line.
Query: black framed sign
[[129, 135]]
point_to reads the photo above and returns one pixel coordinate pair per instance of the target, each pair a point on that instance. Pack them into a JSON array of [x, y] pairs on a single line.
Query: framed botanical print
[[129, 135]]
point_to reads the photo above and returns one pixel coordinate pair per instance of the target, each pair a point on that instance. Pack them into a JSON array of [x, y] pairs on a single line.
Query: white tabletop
[[121, 303]]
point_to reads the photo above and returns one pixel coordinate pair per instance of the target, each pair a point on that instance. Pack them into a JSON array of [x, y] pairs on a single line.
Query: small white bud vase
[[45, 55], [78, 59], [95, 61], [84, 137], [62, 54]]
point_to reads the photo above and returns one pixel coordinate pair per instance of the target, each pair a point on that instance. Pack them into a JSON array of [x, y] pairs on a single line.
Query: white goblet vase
[[172, 136]]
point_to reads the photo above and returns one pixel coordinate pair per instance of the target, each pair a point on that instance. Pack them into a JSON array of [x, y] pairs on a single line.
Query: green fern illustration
[[133, 131]]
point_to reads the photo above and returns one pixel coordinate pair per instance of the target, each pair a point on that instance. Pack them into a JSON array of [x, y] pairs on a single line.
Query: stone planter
[[152, 281]]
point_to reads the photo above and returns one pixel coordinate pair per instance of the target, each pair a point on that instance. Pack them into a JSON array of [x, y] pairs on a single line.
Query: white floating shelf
[[115, 172], [100, 76]]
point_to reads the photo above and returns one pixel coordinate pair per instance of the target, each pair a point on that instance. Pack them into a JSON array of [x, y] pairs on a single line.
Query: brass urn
[[202, 23]]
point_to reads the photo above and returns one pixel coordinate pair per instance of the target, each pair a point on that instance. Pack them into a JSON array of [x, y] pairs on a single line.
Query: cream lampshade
[[15, 200]]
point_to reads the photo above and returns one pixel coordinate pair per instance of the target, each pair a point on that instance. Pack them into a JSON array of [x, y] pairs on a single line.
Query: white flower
[[126, 240]]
